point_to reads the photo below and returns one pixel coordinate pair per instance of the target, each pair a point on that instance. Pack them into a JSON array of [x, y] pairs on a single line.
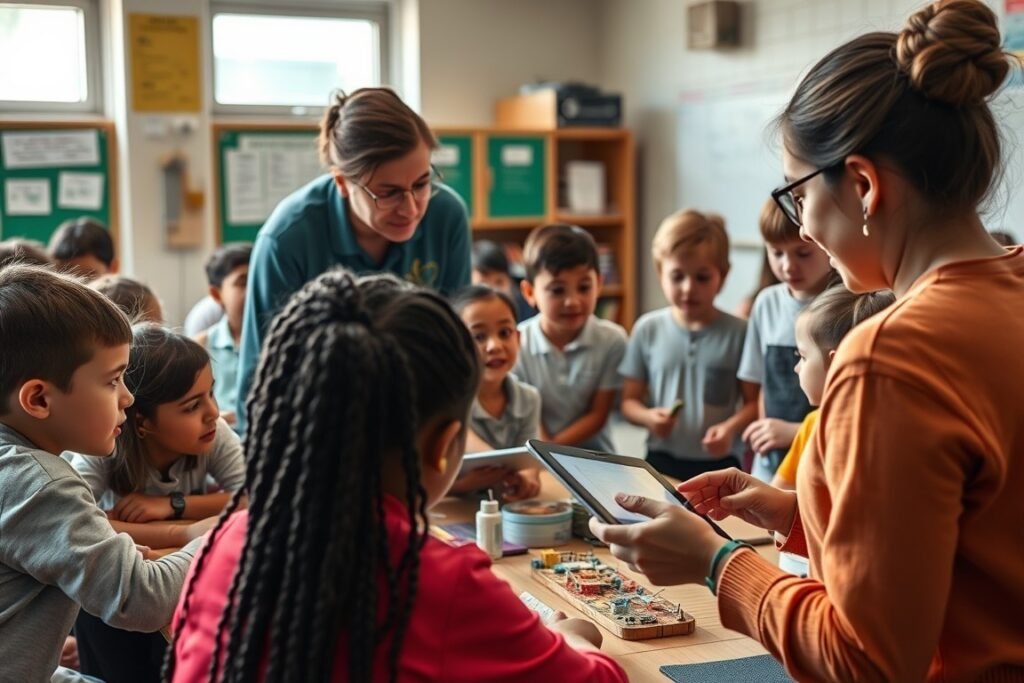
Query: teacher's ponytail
[[367, 128]]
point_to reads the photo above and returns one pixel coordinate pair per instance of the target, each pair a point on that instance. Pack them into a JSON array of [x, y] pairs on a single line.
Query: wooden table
[[640, 659]]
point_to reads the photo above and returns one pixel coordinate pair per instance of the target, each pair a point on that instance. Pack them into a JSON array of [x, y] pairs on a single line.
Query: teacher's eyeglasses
[[792, 205], [421, 192]]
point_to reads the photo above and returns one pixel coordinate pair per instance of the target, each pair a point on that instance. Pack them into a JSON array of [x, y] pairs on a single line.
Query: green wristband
[[722, 553]]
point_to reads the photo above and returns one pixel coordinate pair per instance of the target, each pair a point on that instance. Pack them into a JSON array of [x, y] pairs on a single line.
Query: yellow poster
[[164, 62]]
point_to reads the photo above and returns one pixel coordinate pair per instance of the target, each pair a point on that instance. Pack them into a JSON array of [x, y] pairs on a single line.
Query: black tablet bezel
[[543, 451]]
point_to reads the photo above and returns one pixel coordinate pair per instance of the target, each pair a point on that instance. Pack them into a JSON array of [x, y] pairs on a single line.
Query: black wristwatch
[[178, 504]]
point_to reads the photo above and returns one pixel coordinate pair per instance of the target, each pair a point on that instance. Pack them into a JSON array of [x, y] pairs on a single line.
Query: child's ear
[[437, 444], [526, 288], [143, 425], [34, 398], [342, 184], [831, 356], [115, 265], [215, 295], [721, 281]]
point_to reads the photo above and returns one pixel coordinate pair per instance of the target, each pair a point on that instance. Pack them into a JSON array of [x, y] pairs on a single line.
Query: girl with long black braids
[[356, 427]]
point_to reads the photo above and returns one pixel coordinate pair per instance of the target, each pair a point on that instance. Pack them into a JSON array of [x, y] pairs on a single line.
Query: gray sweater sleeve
[[58, 536], [95, 471], [226, 464]]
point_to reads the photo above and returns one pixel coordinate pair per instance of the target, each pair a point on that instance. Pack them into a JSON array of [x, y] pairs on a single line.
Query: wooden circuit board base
[[617, 603]]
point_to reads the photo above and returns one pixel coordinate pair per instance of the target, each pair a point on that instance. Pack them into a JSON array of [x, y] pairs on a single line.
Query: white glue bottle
[[488, 527]]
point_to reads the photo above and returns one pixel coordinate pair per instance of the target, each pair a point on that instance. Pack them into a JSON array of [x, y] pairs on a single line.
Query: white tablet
[[594, 478], [509, 458]]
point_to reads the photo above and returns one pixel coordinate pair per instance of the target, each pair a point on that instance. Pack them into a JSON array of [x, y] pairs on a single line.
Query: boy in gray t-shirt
[[64, 352], [682, 359]]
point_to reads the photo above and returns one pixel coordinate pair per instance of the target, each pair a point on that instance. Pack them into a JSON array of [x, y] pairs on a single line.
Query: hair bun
[[951, 51]]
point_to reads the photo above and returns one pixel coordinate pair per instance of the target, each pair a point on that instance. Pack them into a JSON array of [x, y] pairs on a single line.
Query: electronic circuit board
[[616, 602]]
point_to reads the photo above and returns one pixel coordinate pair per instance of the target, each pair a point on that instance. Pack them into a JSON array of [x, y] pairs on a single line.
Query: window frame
[[379, 12], [93, 62]]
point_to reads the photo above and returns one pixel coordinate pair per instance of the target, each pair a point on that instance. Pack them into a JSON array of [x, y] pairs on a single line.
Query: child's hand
[[718, 440], [522, 484], [69, 654], [660, 421], [769, 433], [138, 508], [575, 630], [480, 478]]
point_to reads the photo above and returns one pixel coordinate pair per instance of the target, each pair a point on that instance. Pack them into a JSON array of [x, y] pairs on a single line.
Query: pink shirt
[[466, 624]]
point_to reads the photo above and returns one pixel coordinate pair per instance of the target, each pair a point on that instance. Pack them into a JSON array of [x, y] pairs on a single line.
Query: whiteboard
[[729, 160]]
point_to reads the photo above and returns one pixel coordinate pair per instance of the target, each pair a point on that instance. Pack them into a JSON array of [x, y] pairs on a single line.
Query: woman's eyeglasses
[[792, 205], [421, 192]]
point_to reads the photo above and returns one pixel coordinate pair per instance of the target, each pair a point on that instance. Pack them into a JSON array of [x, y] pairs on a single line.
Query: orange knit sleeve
[[893, 483]]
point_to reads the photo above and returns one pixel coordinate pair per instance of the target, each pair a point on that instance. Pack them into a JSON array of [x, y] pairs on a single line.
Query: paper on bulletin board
[[244, 172], [164, 62], [264, 170], [516, 155], [27, 197], [80, 191], [43, 149], [445, 155]]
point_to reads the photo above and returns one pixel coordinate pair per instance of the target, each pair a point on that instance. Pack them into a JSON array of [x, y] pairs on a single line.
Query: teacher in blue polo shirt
[[381, 208]]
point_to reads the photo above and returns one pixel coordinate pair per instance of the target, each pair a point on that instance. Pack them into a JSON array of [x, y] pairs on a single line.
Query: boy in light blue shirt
[[227, 272], [571, 356], [680, 366]]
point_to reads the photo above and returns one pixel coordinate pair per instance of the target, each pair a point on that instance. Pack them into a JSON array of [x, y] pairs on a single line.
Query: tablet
[[594, 478], [510, 458]]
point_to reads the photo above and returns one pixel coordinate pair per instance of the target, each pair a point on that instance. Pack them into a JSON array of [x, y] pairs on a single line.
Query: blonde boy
[[571, 356], [63, 352], [771, 345], [688, 353]]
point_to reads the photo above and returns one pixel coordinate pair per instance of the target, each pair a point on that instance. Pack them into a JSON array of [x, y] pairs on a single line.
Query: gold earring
[[442, 464], [865, 229]]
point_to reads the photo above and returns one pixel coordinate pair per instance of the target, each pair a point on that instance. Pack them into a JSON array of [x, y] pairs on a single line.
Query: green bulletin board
[[518, 169], [257, 167], [50, 173], [454, 159]]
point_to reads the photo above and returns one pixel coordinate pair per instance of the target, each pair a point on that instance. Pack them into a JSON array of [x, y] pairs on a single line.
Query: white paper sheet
[[516, 155], [27, 197], [80, 191], [245, 187], [38, 149]]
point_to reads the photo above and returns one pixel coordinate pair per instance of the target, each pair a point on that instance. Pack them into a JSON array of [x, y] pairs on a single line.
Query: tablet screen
[[604, 479]]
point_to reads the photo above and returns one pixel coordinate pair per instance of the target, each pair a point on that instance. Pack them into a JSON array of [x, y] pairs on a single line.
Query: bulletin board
[[256, 166], [55, 171]]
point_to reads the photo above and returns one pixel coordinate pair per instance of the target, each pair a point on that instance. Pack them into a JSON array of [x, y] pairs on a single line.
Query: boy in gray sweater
[[63, 351]]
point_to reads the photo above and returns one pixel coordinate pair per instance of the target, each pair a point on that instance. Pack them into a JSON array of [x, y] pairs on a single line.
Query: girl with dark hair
[[909, 492], [381, 208], [171, 444], [356, 428]]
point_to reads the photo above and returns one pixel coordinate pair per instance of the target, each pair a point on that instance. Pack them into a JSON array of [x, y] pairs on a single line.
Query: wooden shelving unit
[[513, 179]]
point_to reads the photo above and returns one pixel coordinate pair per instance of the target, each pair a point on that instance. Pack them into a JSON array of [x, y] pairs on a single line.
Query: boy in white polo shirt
[[571, 356]]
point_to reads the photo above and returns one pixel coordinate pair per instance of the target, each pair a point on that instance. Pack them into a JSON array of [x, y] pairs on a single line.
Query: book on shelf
[[608, 309], [606, 264]]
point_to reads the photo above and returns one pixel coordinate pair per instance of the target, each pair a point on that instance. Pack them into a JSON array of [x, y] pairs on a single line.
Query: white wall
[[644, 57], [176, 275], [474, 51]]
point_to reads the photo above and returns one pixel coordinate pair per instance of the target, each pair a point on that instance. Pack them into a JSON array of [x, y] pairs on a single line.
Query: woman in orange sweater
[[910, 500]]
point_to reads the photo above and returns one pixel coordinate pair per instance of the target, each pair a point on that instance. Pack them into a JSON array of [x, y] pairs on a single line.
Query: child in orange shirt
[[819, 329]]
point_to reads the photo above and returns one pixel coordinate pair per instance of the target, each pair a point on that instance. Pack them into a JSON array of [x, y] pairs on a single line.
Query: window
[[284, 61], [49, 56]]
